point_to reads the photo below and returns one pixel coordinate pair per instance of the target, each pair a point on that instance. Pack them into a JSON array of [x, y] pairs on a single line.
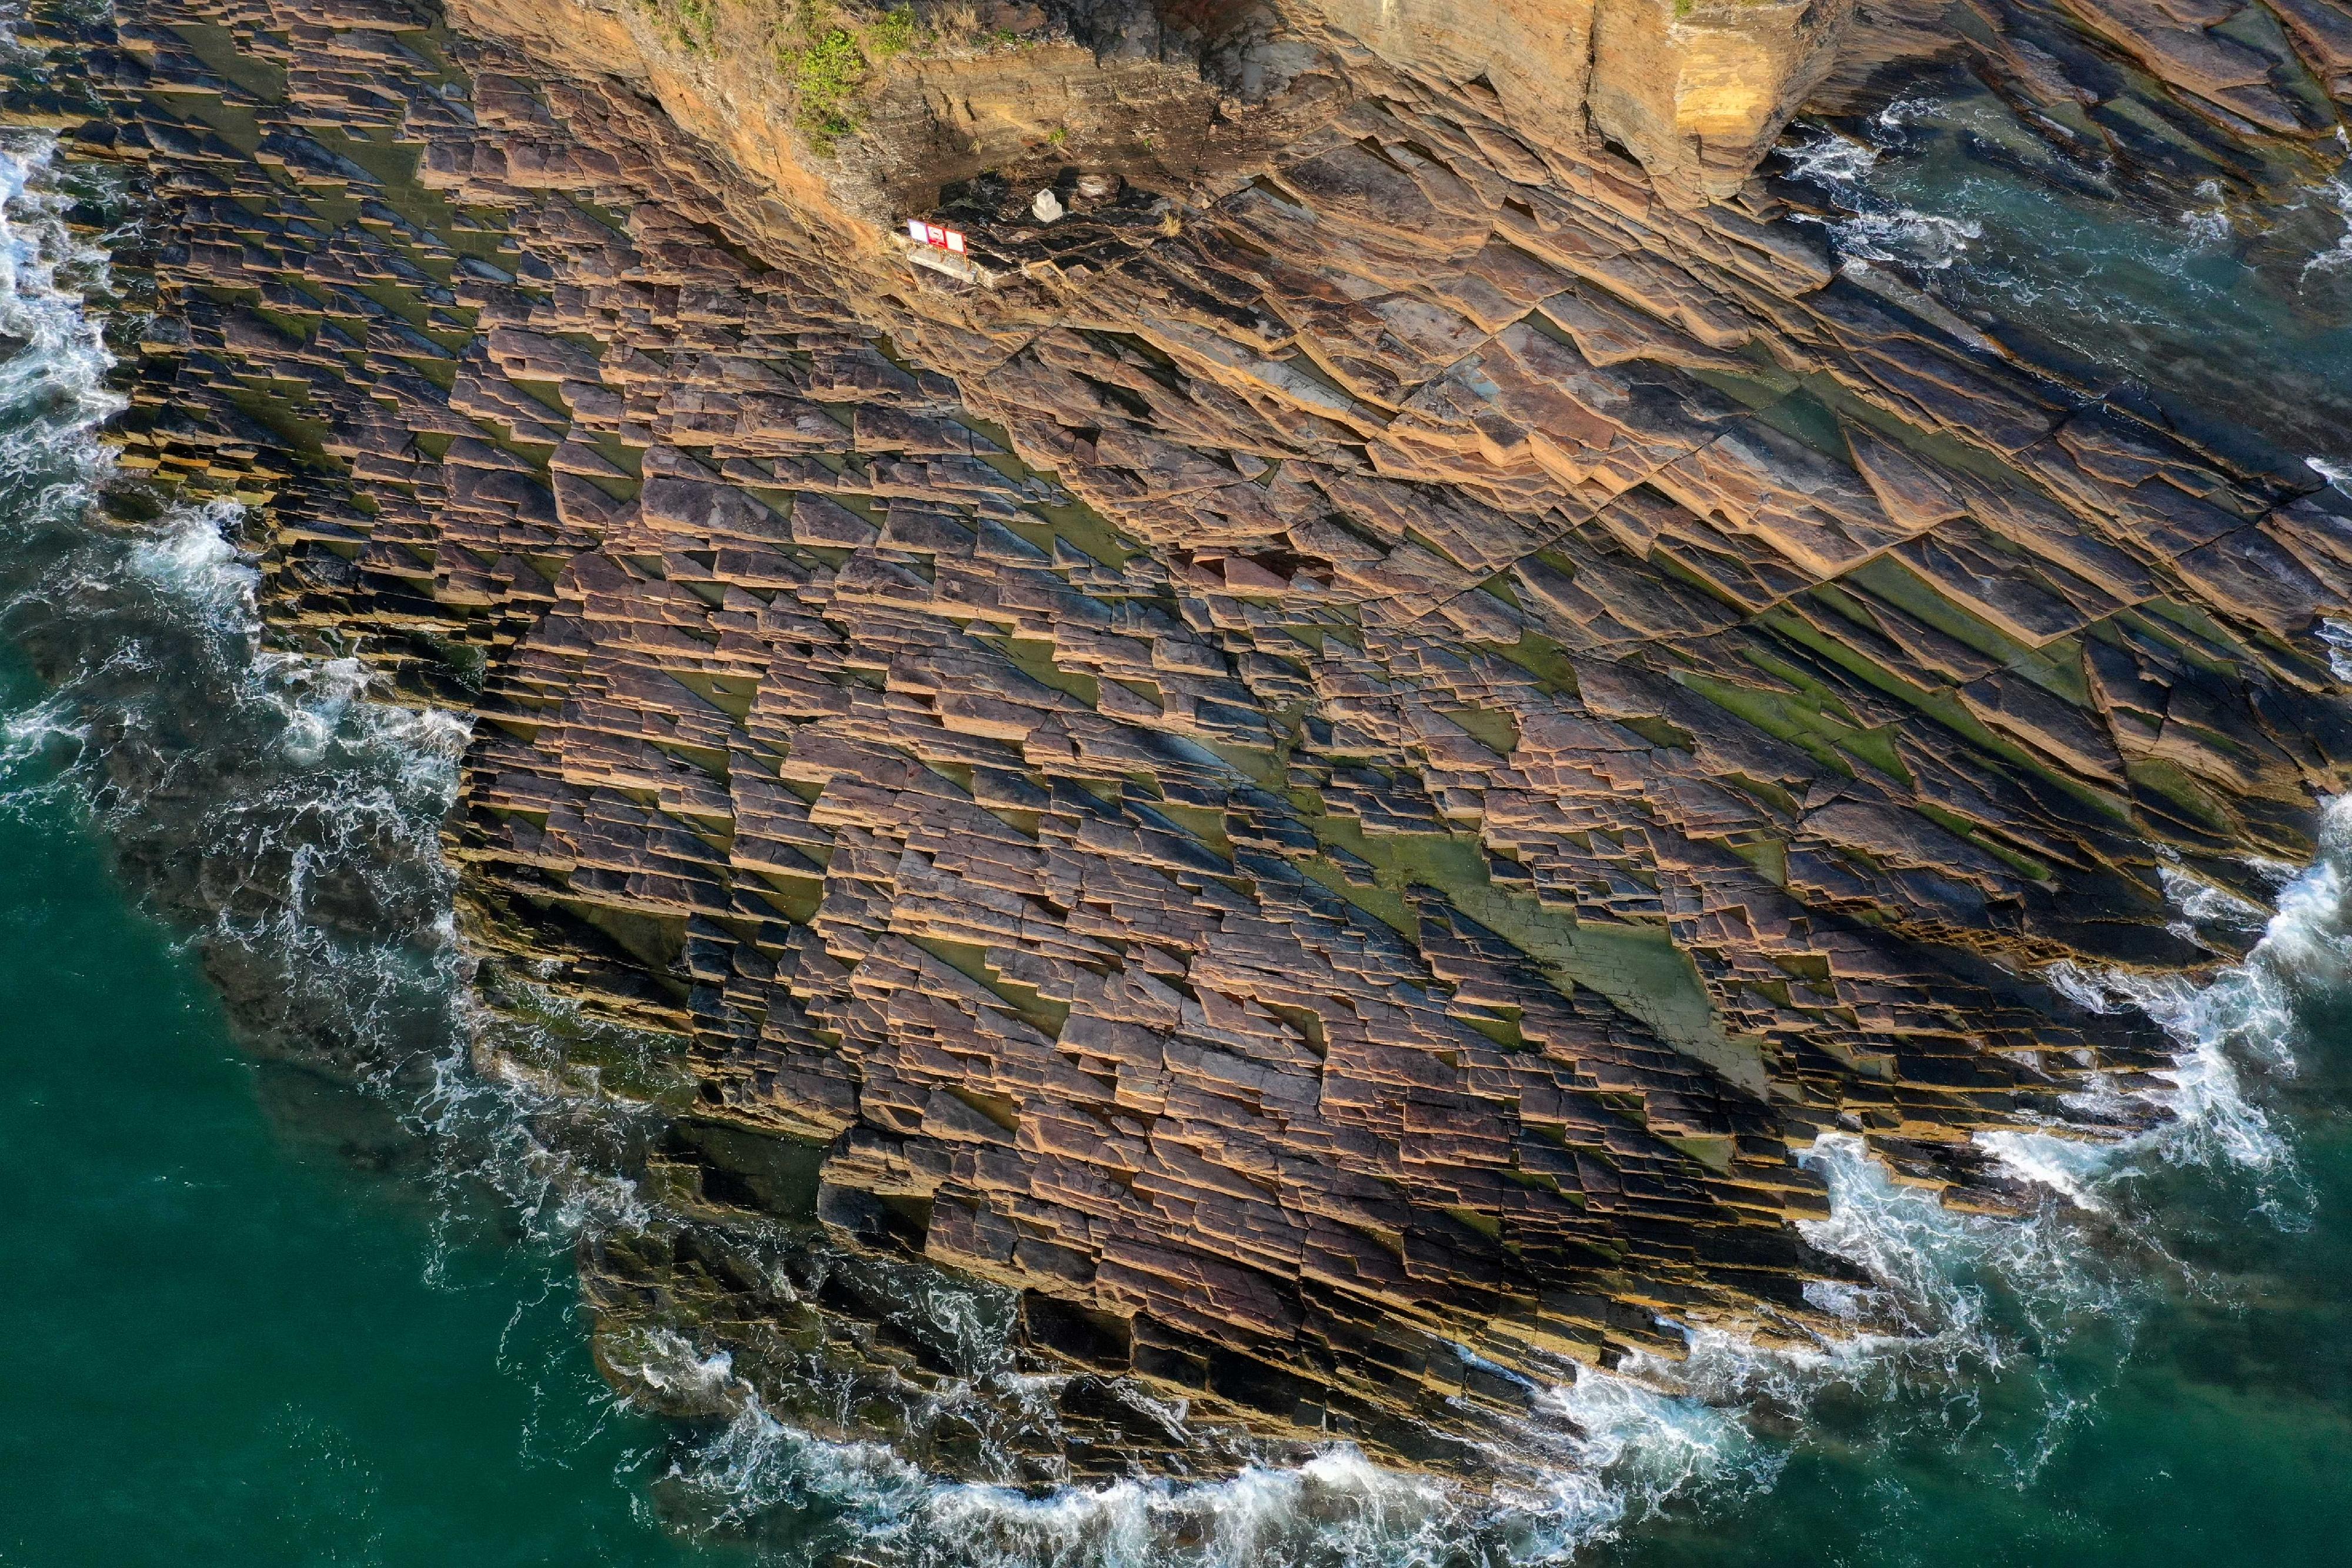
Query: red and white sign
[[935, 236]]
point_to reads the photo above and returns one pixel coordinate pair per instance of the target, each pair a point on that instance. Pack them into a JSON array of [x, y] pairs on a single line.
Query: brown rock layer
[[1329, 778]]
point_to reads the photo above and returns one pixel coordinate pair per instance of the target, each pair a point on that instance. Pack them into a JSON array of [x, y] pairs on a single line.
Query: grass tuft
[[835, 61]]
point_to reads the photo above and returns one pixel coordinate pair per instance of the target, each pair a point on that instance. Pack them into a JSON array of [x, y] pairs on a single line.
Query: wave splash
[[1624, 1450], [1940, 1302], [2234, 1032], [1877, 227]]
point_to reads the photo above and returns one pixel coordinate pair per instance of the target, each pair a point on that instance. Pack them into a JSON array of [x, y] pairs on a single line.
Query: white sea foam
[[2204, 903], [1877, 227], [310, 807], [2337, 634], [52, 399], [53, 388], [2333, 197], [2208, 226], [2072, 1167], [1829, 158], [193, 558], [2242, 1019], [1628, 1449], [31, 735]]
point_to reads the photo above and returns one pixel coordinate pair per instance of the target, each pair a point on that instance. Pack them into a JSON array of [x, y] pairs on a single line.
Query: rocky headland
[[1324, 754]]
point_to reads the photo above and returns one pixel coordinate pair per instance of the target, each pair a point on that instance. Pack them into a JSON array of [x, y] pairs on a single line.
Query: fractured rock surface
[[1329, 778]]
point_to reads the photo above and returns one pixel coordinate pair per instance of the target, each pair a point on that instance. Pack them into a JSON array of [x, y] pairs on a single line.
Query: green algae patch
[[1905, 589], [1637, 967], [1493, 728], [1713, 1150], [1263, 766], [770, 1173], [1945, 710], [1804, 724], [538, 1034], [1034, 659], [1543, 658]]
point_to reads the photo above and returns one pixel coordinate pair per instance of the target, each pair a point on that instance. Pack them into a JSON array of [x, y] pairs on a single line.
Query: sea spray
[[1874, 229], [805, 1498], [1943, 1304], [2204, 1110], [269, 799], [1941, 1301], [2333, 197]]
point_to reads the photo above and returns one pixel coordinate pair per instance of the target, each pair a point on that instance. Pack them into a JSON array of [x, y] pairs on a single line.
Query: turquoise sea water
[[233, 1331], [2227, 315], [2207, 1423], [253, 1314]]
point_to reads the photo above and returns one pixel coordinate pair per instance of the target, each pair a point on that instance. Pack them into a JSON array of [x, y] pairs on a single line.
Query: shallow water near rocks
[[2232, 319], [255, 1316], [2212, 1423], [234, 1330]]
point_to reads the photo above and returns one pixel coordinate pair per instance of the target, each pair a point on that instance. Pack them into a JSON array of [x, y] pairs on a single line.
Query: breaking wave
[[276, 803], [2337, 475], [1625, 1450], [2230, 1032], [1939, 1302], [2334, 198]]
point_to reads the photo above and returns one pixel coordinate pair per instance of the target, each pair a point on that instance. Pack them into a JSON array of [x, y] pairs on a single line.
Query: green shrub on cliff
[[834, 58], [825, 74], [892, 36]]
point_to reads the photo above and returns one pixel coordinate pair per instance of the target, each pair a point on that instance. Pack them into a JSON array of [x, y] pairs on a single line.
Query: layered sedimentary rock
[[1327, 762]]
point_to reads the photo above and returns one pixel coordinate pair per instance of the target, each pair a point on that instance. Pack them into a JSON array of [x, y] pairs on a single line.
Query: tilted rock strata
[[1328, 782]]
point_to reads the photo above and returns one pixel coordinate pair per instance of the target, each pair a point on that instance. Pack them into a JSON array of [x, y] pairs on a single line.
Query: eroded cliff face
[[1329, 768], [1190, 99], [1695, 92], [1699, 92]]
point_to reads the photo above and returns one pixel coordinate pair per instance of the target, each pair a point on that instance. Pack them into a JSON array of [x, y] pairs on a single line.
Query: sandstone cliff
[[1328, 763], [1182, 96]]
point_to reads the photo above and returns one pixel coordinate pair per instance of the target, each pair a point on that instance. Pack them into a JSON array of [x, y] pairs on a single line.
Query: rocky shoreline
[[1326, 764]]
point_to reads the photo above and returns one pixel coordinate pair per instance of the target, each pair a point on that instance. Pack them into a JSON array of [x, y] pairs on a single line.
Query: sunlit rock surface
[[1323, 764]]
